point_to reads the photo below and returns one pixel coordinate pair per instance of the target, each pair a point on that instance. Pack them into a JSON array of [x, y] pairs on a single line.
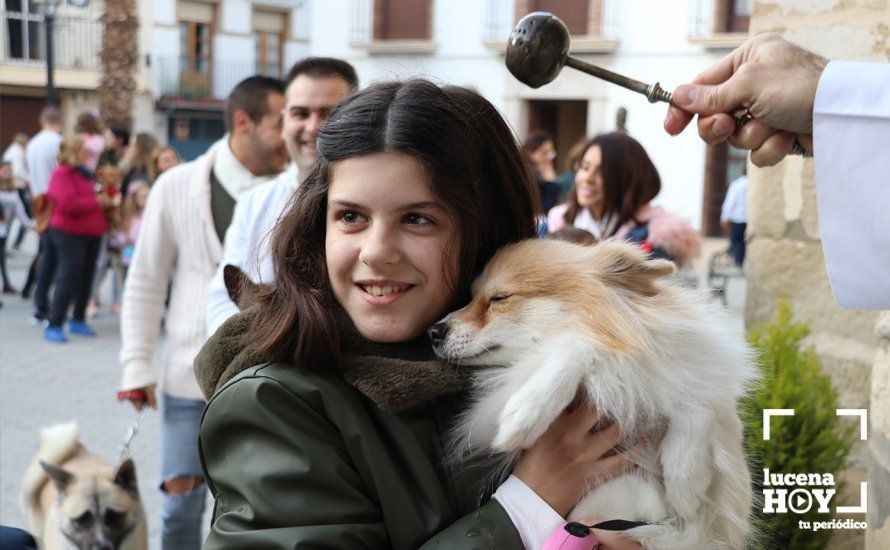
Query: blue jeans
[[180, 421], [737, 242]]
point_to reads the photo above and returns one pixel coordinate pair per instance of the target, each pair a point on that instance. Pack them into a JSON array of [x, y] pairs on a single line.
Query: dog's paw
[[519, 428]]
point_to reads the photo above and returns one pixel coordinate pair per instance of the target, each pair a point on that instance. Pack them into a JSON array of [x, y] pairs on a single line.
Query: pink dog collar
[[571, 536]]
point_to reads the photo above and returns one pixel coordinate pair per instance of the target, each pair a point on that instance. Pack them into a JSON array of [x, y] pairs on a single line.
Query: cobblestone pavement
[[42, 384]]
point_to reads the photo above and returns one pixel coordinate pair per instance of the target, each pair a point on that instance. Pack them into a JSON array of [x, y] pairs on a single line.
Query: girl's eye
[[417, 219], [350, 217]]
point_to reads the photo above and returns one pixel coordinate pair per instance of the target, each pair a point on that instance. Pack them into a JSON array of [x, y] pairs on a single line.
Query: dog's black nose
[[437, 334]]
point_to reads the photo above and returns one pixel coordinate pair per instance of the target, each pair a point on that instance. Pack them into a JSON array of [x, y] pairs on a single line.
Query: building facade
[[200, 49], [463, 42], [191, 53]]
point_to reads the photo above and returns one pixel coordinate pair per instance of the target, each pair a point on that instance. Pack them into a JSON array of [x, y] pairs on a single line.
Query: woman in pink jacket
[[76, 228], [614, 185]]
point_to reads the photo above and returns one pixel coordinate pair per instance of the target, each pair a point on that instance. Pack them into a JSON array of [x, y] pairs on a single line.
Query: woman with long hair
[[328, 412], [165, 158], [139, 163], [615, 183]]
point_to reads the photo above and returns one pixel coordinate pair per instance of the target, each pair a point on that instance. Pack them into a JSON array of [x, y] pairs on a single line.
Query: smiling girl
[[329, 414]]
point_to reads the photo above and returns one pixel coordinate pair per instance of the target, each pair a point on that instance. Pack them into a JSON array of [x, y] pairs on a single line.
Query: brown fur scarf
[[395, 376]]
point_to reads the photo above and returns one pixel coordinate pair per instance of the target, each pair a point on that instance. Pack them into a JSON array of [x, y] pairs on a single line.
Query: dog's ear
[[234, 279], [60, 477], [626, 266], [125, 477]]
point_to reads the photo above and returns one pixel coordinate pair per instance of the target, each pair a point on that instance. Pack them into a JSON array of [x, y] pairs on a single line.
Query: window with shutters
[[738, 16], [719, 24], [591, 23], [574, 13], [24, 30], [403, 19], [269, 32], [196, 27]]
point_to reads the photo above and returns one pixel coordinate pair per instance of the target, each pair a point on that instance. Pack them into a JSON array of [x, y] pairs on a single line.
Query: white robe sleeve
[[851, 131]]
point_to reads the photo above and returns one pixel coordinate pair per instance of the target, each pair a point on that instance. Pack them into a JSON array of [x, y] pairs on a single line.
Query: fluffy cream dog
[[556, 323], [75, 500]]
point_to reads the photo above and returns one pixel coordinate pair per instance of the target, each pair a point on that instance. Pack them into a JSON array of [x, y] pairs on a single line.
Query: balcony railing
[[703, 29], [76, 45], [362, 34], [208, 81]]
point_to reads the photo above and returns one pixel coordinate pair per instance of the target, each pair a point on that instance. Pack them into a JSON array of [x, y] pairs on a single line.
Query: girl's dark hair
[[87, 123], [535, 140], [475, 168], [630, 180]]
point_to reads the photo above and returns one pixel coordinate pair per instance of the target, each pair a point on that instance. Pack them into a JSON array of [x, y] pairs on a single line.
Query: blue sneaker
[[55, 335], [80, 328]]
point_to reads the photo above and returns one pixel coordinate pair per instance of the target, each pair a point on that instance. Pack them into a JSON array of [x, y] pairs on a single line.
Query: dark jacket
[[301, 458]]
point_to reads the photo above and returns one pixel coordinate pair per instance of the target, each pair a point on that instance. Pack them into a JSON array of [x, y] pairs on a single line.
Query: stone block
[[765, 203], [794, 269]]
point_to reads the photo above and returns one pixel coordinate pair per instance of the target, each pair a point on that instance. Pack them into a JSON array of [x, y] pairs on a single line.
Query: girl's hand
[[567, 461], [615, 540]]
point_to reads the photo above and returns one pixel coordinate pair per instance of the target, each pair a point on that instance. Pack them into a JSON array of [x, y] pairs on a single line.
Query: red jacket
[[73, 199]]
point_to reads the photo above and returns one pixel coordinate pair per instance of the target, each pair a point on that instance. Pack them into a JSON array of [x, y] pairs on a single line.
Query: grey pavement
[[42, 384]]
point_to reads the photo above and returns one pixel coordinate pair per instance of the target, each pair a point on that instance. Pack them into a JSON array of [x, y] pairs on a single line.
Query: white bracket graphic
[[863, 420], [863, 502], [767, 413]]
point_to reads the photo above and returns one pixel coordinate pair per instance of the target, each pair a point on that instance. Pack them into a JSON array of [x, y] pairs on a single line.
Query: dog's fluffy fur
[[555, 323], [75, 500]]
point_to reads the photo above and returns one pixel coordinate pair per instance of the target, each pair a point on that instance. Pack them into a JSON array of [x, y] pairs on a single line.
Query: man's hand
[[147, 397], [773, 79]]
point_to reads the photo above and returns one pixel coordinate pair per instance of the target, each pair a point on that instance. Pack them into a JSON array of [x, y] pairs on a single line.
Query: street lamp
[[49, 16]]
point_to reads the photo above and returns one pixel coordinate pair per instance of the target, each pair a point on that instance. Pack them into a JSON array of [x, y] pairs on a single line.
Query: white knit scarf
[[600, 229], [232, 175]]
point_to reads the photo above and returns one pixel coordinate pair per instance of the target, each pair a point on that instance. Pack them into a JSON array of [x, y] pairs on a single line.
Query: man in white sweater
[[313, 87], [180, 243]]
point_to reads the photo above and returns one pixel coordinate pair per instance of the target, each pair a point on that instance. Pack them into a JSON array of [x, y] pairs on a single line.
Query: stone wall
[[785, 253]]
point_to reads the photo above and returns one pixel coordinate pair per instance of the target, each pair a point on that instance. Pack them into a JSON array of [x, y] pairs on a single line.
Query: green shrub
[[814, 440]]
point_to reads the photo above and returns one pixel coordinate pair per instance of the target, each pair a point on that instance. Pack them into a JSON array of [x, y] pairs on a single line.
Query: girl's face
[[385, 243], [82, 155], [166, 160], [141, 197], [544, 154], [589, 180]]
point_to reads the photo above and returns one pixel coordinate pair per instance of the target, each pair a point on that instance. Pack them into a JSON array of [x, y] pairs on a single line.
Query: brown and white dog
[[75, 500], [553, 323]]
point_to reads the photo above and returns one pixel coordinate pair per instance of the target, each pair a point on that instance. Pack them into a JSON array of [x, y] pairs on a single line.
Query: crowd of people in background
[[83, 193]]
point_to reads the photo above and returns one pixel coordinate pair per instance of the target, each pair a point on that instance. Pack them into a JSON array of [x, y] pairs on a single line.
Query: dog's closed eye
[[499, 297]]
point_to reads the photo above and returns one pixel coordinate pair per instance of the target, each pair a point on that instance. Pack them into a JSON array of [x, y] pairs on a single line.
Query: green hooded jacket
[[350, 458]]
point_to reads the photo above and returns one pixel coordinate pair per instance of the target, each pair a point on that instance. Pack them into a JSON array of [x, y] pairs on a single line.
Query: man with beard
[[314, 86], [181, 242]]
